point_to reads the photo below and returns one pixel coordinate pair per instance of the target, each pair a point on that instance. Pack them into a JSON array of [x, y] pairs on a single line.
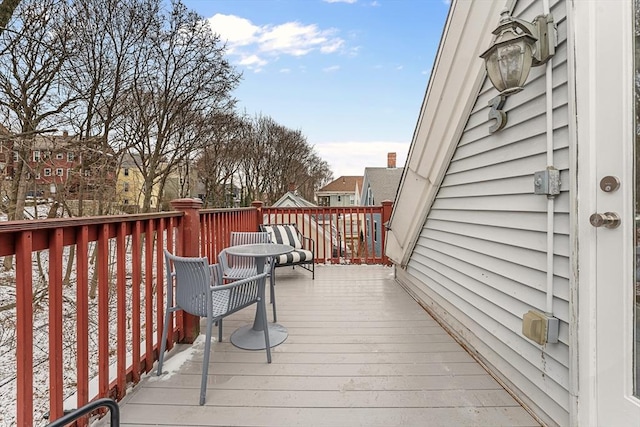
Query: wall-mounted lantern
[[518, 46]]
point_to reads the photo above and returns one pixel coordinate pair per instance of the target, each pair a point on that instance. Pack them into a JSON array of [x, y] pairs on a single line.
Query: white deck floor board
[[360, 352]]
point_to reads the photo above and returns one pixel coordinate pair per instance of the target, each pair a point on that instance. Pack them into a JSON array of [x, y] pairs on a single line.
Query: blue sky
[[350, 74]]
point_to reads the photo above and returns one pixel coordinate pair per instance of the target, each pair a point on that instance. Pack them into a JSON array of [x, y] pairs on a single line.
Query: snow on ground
[[8, 377]]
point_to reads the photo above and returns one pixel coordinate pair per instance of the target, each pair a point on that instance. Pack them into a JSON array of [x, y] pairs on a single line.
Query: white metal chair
[[198, 290], [236, 267]]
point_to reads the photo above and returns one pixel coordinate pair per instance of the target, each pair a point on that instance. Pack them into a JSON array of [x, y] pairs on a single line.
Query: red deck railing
[[342, 235], [101, 290], [115, 258]]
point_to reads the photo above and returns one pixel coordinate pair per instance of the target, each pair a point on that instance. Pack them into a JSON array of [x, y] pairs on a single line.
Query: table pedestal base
[[248, 338]]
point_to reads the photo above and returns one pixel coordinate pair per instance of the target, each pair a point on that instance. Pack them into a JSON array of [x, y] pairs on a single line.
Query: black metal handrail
[[111, 404]]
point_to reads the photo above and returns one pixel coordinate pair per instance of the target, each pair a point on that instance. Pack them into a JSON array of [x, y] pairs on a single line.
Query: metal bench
[[303, 253]]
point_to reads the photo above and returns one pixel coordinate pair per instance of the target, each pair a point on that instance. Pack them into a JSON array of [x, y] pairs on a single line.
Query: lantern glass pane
[[514, 62], [493, 70]]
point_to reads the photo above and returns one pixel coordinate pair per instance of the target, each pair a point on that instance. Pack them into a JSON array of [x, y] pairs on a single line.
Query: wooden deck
[[360, 351]]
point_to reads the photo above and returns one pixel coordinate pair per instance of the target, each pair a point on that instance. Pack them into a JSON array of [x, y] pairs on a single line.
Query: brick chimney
[[292, 187], [391, 160]]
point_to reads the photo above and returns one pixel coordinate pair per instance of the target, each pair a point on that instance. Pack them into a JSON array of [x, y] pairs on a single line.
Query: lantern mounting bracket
[[542, 29]]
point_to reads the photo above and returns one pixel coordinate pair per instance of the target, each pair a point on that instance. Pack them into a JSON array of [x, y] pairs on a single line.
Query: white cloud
[[341, 1], [331, 69], [399, 67], [350, 158], [254, 45], [295, 39], [285, 70], [332, 46], [234, 30], [252, 61]]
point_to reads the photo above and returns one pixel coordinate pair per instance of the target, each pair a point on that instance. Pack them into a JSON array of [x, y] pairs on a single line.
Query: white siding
[[481, 255]]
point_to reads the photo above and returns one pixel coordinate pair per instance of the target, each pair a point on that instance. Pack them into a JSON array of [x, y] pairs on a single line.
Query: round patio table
[[251, 337]]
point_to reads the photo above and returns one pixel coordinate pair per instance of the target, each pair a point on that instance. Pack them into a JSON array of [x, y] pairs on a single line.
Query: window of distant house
[[28, 175], [375, 231], [126, 186], [37, 175], [47, 172], [339, 198], [59, 156], [87, 172], [126, 201], [352, 200], [70, 157], [59, 171], [36, 155], [15, 156]]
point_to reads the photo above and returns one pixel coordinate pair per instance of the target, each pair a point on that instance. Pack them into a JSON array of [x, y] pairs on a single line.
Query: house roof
[[344, 184], [383, 183], [456, 79], [292, 199]]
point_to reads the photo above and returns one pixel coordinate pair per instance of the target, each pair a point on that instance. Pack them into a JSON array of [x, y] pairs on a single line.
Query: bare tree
[[31, 90], [257, 140], [275, 157], [180, 76], [108, 33], [220, 158], [314, 173]]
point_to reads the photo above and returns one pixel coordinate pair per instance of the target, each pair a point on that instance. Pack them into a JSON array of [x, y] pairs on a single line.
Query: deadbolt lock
[[607, 220], [609, 184]]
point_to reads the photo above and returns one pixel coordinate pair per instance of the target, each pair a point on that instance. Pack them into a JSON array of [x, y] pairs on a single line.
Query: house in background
[[130, 187], [291, 199], [522, 240], [344, 191], [311, 222], [379, 184], [314, 224], [60, 164]]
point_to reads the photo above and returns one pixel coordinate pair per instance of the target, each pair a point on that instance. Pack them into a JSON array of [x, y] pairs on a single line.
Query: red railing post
[[24, 328], [258, 205], [189, 241], [387, 207]]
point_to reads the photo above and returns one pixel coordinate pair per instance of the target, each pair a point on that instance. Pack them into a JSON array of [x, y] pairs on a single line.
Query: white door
[[608, 93]]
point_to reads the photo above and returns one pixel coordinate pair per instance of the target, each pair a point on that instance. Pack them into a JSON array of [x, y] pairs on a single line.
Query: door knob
[[607, 220]]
